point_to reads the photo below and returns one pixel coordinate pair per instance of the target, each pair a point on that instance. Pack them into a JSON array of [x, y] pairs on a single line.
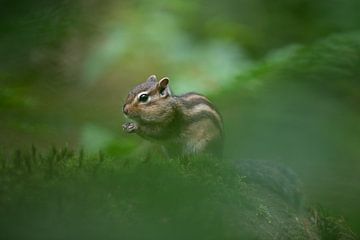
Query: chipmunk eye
[[144, 97]]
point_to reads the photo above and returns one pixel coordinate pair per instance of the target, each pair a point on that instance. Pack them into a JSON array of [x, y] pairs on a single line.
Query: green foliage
[[301, 108], [74, 195], [285, 75], [331, 227], [15, 98]]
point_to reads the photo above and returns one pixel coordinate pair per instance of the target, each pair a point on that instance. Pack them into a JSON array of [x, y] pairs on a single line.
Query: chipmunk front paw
[[129, 127]]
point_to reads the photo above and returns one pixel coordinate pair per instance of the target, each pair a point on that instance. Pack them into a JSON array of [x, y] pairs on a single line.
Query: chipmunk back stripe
[[194, 97], [195, 103], [202, 108], [201, 101], [201, 115]]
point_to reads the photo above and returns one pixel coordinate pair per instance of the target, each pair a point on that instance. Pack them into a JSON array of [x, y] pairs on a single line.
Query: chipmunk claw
[[129, 127]]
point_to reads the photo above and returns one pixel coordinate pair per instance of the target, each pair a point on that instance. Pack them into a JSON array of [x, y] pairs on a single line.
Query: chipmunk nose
[[126, 109]]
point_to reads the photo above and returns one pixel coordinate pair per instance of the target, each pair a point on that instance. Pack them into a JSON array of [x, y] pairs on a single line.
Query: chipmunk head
[[150, 102]]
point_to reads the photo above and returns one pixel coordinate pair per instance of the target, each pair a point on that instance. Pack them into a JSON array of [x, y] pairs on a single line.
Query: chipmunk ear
[[163, 86], [163, 83], [152, 78]]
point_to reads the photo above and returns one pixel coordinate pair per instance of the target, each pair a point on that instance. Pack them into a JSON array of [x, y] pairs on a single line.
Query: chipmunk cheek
[[131, 111]]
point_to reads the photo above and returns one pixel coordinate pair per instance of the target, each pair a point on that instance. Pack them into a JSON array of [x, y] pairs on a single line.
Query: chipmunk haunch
[[184, 125]]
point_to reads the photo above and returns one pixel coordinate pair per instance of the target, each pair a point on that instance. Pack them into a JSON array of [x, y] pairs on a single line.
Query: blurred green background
[[284, 74]]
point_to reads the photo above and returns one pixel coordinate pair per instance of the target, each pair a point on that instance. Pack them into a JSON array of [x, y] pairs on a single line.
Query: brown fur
[[184, 125]]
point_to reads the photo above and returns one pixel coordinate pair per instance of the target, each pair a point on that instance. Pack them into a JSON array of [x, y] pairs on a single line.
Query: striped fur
[[185, 125], [198, 107]]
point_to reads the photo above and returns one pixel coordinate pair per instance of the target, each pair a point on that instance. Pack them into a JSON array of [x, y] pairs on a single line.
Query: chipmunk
[[184, 125]]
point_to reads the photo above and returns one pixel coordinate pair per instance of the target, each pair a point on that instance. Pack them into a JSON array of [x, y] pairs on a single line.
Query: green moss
[[69, 194]]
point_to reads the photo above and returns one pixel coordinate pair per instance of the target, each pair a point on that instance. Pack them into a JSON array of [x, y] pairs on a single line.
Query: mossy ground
[[69, 195]]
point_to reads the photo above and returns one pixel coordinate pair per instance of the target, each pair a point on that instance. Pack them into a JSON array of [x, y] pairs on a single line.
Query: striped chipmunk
[[184, 125]]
